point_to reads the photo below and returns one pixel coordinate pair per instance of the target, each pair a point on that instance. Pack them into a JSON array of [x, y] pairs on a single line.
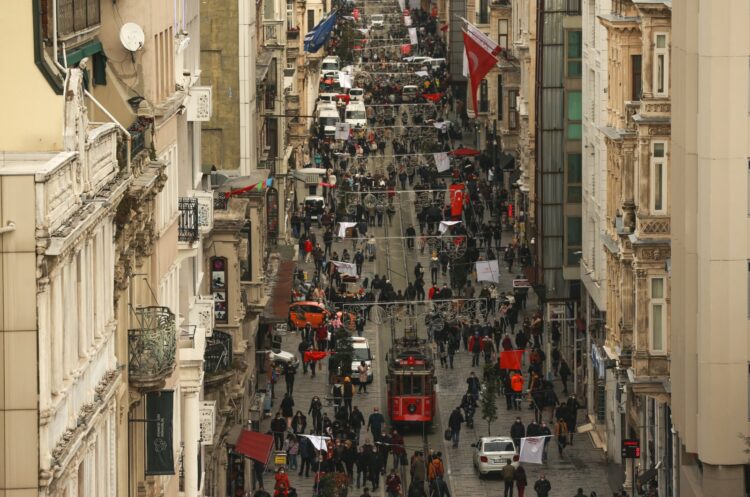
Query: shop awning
[[277, 308], [255, 445]]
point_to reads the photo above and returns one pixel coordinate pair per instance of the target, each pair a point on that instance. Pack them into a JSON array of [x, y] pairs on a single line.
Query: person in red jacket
[[475, 347], [308, 250], [282, 480]]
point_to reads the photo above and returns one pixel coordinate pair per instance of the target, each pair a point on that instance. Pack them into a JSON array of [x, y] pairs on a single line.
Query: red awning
[[464, 152], [255, 445]]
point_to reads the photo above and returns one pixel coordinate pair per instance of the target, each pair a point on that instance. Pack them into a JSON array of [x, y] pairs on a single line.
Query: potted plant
[[334, 485]]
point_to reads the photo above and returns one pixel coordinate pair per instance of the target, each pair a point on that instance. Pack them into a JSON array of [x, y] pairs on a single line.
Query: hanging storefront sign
[[219, 288], [207, 421], [272, 213], [159, 452]]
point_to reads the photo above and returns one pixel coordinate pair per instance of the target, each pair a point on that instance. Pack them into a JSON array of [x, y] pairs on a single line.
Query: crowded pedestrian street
[[410, 238]]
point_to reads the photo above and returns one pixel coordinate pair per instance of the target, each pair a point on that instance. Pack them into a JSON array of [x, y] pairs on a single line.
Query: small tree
[[334, 485], [343, 354], [488, 400]]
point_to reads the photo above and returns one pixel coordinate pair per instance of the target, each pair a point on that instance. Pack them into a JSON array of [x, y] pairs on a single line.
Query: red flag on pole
[[457, 199], [406, 49], [511, 359], [480, 62], [433, 97]]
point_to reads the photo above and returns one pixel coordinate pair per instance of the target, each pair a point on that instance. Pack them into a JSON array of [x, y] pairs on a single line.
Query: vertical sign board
[[207, 421], [272, 213], [159, 453], [219, 288], [631, 448]]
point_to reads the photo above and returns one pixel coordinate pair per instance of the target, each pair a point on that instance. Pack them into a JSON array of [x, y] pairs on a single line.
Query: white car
[[377, 20], [490, 454], [283, 357], [361, 353], [357, 94], [330, 63]]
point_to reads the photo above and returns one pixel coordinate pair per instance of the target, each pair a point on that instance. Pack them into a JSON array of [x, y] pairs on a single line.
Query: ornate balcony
[[217, 360], [152, 346]]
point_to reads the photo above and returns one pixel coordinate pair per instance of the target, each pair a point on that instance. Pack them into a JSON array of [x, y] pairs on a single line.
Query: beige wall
[[19, 442], [29, 124], [710, 248]]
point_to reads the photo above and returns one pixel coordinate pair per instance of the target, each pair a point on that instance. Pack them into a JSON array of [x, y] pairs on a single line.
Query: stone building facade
[[637, 236]]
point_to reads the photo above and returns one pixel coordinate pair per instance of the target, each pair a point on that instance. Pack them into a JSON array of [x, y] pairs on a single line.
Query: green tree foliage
[[488, 399]]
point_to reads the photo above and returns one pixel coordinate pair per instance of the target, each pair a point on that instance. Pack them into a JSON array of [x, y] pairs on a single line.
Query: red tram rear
[[411, 382]]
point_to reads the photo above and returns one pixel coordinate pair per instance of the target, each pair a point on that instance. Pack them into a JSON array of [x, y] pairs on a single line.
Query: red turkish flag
[[511, 359], [480, 63], [457, 199], [406, 49], [314, 355], [433, 97]]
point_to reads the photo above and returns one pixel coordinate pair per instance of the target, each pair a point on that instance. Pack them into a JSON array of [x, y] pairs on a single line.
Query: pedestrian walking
[[348, 391], [542, 487], [278, 428], [316, 410], [363, 375], [521, 481], [375, 424], [289, 373], [517, 432], [561, 434], [393, 484], [473, 385], [508, 474], [454, 423]]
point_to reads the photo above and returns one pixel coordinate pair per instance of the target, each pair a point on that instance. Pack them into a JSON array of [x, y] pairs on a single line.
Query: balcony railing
[[137, 132], [292, 34], [74, 16], [188, 231], [218, 356], [152, 347]]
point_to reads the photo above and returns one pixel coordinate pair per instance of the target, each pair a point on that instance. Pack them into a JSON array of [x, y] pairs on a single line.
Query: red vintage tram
[[411, 382]]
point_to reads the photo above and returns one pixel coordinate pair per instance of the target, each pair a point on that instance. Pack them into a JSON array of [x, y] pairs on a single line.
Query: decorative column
[[190, 436]]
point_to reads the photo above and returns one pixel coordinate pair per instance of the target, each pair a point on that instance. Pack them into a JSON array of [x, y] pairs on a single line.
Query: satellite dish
[[132, 37]]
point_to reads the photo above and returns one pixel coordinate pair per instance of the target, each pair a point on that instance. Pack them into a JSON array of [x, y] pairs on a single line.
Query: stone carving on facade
[[654, 254], [659, 131], [663, 107], [655, 226]]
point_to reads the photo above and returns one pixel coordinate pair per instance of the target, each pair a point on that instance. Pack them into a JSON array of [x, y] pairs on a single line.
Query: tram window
[[411, 385]]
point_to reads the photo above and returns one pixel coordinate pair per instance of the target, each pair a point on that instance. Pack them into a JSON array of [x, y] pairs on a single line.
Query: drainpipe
[[11, 226]]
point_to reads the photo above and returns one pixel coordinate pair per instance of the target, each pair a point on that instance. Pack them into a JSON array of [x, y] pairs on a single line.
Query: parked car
[[317, 205], [409, 93], [490, 454], [301, 313], [377, 21]]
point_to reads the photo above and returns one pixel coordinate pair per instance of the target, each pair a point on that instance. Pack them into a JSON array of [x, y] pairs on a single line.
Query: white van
[[377, 21], [409, 93], [355, 114], [328, 118], [361, 352], [327, 98], [331, 63], [435, 63], [357, 94]]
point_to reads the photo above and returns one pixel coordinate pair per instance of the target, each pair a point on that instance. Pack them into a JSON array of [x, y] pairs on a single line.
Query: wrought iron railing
[[218, 355], [152, 345], [187, 230]]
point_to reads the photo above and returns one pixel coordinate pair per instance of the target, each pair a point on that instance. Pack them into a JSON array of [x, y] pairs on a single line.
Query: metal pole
[[589, 366]]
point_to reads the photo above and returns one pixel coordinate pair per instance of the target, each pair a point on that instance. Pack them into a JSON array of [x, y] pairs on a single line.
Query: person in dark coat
[[517, 432], [521, 481], [542, 487], [564, 374], [289, 373], [454, 423], [571, 417], [278, 427], [287, 407]]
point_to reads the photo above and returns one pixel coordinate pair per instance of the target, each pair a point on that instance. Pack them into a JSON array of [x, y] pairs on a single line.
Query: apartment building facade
[[634, 358], [709, 224]]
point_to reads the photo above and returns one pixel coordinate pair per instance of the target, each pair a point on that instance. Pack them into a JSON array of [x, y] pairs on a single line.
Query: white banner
[[342, 131], [407, 20], [488, 271], [441, 125], [318, 441], [444, 225], [402, 4], [442, 161], [422, 74], [347, 268], [207, 421], [413, 36], [345, 80], [343, 227], [532, 449]]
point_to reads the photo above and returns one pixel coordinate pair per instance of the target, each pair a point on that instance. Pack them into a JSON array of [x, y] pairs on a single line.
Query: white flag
[[346, 268], [488, 271], [343, 227], [413, 36], [532, 449], [442, 161], [342, 131], [423, 74], [444, 225], [407, 20], [318, 441]]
